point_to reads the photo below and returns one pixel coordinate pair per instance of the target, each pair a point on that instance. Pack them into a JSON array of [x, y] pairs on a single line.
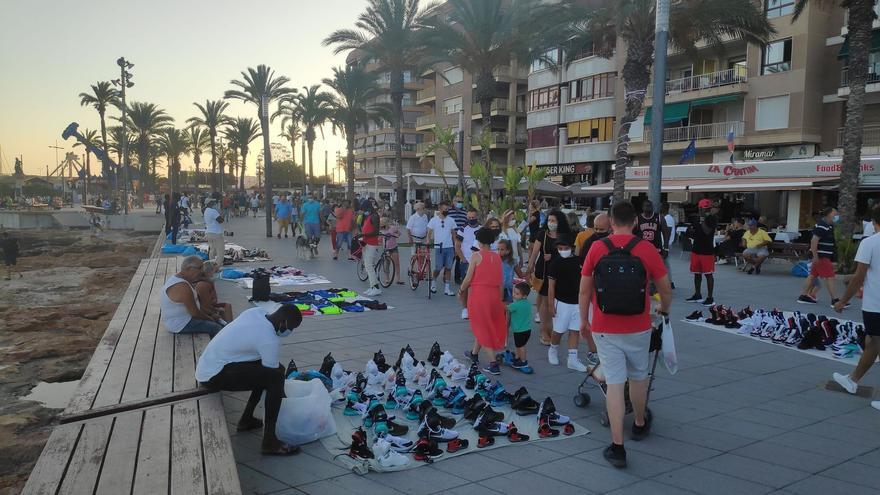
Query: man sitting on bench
[[756, 242], [244, 356], [181, 311]]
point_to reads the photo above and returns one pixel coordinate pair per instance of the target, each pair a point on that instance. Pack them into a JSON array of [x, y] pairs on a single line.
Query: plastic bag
[[305, 414], [801, 269], [670, 358]]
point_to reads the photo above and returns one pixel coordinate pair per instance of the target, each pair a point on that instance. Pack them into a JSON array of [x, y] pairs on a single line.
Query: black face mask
[[473, 222]]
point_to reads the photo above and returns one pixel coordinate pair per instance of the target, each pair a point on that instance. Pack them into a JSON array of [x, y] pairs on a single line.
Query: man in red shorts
[[702, 234], [824, 251]]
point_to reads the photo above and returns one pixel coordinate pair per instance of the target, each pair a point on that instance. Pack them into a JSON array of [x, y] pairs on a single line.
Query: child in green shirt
[[520, 311]]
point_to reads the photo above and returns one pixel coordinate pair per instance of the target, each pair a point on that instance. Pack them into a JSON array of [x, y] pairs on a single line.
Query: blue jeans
[[343, 239], [313, 230], [202, 326], [444, 258]]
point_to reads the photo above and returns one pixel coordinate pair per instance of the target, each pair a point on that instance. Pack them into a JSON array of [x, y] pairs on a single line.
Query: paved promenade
[[740, 417]]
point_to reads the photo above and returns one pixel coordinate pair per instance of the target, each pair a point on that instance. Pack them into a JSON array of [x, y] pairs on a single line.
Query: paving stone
[[349, 484], [297, 470], [821, 485], [836, 431], [422, 480], [840, 448], [594, 477], [524, 456], [475, 467], [753, 470], [709, 482], [638, 464], [527, 482], [674, 450], [769, 418], [704, 437], [774, 453], [856, 473], [739, 427], [257, 483], [576, 445], [650, 487], [871, 458]]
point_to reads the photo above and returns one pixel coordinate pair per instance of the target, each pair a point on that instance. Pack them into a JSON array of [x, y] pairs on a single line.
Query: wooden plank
[[220, 471], [156, 400], [122, 450], [161, 377], [117, 371], [184, 363], [200, 341], [49, 470], [94, 373], [138, 382], [151, 475], [187, 469], [85, 463]]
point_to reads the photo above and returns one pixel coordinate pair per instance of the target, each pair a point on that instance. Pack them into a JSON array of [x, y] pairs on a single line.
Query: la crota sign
[[730, 170]]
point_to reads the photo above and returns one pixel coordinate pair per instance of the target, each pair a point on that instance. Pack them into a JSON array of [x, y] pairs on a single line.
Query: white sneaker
[[464, 314], [537, 318], [875, 404], [592, 358], [722, 261], [448, 291], [846, 382], [553, 355], [373, 291], [434, 287], [386, 456], [575, 364]]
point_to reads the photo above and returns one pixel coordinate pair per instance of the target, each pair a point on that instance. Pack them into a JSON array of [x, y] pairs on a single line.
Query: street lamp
[[124, 82]]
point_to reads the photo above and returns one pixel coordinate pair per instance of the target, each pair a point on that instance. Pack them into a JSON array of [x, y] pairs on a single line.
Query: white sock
[[554, 346], [573, 353], [446, 286]]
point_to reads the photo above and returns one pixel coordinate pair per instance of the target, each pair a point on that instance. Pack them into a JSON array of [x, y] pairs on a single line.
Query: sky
[[183, 51]]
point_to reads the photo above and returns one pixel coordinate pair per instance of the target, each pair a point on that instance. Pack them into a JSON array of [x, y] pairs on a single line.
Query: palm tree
[[198, 140], [481, 35], [174, 143], [291, 133], [147, 121], [117, 134], [260, 86], [103, 94], [350, 109], [690, 22], [314, 109], [212, 118], [860, 27], [240, 134], [388, 31], [90, 137], [445, 141]]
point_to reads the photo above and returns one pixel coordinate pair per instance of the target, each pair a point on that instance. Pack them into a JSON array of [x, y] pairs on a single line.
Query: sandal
[[249, 424], [283, 449]]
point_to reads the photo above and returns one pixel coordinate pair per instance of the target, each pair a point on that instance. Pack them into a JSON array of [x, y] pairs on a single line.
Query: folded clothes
[[336, 299], [330, 309], [307, 312], [324, 294], [352, 308], [347, 293], [303, 307], [274, 296], [372, 305]]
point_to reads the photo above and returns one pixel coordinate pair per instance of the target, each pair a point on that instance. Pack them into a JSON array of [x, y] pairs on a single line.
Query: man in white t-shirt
[[417, 226], [867, 276], [184, 202], [214, 232], [441, 230], [244, 357], [669, 231]]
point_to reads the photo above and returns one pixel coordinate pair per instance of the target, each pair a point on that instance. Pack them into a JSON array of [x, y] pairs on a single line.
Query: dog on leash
[[303, 248]]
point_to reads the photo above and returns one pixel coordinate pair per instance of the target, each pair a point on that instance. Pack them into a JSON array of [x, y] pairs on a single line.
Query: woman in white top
[[510, 233], [181, 311]]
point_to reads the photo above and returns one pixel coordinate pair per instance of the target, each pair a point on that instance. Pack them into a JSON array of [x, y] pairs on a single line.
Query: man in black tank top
[[651, 227]]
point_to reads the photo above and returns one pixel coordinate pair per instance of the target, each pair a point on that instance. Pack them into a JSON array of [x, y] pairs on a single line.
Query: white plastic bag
[[305, 414], [670, 358]]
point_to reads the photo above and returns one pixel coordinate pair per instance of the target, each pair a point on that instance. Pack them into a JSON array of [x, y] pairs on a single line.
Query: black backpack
[[621, 280], [261, 289]]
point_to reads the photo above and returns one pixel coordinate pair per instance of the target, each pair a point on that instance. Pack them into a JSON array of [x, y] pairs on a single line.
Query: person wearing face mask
[[824, 251], [510, 233], [488, 315], [465, 245], [441, 230], [544, 251], [564, 280], [245, 356], [601, 230]]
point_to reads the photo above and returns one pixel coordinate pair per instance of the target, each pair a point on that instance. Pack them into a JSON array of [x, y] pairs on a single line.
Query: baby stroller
[[583, 399]]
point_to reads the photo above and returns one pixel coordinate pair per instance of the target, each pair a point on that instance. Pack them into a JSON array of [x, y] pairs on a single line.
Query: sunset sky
[[183, 51]]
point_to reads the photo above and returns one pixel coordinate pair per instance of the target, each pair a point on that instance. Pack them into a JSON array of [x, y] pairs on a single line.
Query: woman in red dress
[[486, 311]]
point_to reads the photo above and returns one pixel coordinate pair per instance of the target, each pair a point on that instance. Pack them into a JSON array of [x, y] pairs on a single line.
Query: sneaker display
[[386, 455], [575, 364], [522, 402], [553, 355], [695, 316], [846, 382], [696, 298], [432, 430], [434, 354], [806, 300], [359, 448], [615, 455], [426, 450]]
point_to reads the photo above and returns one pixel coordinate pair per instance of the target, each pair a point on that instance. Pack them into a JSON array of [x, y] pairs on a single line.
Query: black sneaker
[[835, 300], [672, 284], [492, 368], [757, 270], [615, 455], [695, 316], [696, 298], [806, 300], [709, 301], [641, 432]]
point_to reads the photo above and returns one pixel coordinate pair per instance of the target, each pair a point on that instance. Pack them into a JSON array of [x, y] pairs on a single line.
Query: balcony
[[715, 130], [870, 136], [426, 122], [499, 106], [872, 84], [500, 140], [506, 73], [421, 148], [724, 82], [426, 95]]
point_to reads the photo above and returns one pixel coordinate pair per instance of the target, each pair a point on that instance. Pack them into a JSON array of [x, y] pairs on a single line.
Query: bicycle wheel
[[386, 271], [414, 275], [361, 270]]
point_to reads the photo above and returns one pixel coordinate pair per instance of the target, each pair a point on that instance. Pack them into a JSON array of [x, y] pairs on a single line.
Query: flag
[[731, 145], [689, 152]]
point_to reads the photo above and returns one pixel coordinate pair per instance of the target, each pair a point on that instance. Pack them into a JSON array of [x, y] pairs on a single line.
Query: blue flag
[[689, 152]]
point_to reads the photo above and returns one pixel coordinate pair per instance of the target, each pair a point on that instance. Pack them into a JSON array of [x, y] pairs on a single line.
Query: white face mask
[[511, 223], [552, 227], [565, 253]]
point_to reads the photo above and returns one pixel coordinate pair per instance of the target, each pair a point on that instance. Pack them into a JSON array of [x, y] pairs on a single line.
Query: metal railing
[[498, 105], [844, 78], [715, 130], [704, 81], [426, 93], [426, 120], [870, 136], [507, 71], [421, 148]]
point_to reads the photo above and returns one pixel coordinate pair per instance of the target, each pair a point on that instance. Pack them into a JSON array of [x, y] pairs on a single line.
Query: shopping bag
[[670, 358], [305, 414], [801, 269]]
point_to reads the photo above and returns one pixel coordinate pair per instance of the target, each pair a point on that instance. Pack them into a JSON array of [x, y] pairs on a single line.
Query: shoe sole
[[807, 302]]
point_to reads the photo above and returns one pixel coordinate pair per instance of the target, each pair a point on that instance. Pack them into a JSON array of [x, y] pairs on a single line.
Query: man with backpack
[[615, 281]]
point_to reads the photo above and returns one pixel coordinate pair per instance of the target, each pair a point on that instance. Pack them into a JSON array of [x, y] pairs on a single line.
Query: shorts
[[568, 317], [624, 356], [520, 339], [444, 258], [255, 208], [702, 263], [343, 239], [283, 223], [759, 252], [823, 268], [872, 323], [313, 229]]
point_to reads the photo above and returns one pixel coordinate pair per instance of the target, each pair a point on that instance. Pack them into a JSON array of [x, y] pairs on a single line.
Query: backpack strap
[[608, 244], [631, 245]]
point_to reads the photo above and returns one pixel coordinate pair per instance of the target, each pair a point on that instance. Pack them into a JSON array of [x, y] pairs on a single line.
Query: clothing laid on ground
[[212, 226], [174, 314], [250, 337], [827, 247], [442, 229], [486, 312], [648, 228], [653, 263], [520, 315], [869, 254], [755, 240]]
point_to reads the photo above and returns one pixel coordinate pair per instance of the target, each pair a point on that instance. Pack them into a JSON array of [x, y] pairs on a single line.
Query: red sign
[[837, 167], [730, 170]]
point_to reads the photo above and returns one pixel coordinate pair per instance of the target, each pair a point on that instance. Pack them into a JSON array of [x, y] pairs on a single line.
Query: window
[[544, 98], [588, 88], [542, 137], [542, 63], [772, 113], [452, 105], [591, 131], [777, 57], [452, 76], [777, 8]]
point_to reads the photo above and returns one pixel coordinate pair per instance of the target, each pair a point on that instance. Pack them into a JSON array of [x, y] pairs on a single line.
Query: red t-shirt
[[368, 228], [603, 323], [344, 217]]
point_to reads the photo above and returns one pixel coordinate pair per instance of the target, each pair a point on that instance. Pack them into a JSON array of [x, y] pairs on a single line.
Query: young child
[[520, 311], [564, 276], [508, 269], [389, 228]]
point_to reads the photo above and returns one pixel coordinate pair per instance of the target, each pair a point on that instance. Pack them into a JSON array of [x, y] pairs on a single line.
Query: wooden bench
[[791, 251], [138, 415]]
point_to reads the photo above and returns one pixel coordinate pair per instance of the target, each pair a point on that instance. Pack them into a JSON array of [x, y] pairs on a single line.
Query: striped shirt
[[459, 215], [827, 247]]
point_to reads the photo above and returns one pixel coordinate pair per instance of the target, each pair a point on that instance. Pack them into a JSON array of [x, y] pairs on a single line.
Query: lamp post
[[267, 163], [124, 82], [661, 38]]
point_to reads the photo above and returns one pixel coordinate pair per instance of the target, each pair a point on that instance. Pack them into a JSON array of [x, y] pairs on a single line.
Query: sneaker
[[372, 291], [806, 300], [640, 432], [592, 359], [386, 456], [695, 316], [696, 298], [464, 314], [875, 404], [722, 261], [709, 301], [553, 355], [835, 300], [474, 358], [846, 382], [492, 368], [615, 457], [575, 364], [537, 318], [448, 290], [433, 287]]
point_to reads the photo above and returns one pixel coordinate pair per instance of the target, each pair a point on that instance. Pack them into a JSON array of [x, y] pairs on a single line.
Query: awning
[[875, 45], [546, 188], [671, 113], [634, 185], [713, 100], [743, 184]]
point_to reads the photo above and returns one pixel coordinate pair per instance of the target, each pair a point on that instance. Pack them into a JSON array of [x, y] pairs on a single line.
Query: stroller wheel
[[582, 400], [603, 420]]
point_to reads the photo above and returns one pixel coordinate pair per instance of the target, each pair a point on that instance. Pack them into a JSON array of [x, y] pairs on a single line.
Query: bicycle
[[385, 268], [420, 267]]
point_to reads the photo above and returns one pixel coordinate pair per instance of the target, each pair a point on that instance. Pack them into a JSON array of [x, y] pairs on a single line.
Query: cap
[[705, 203]]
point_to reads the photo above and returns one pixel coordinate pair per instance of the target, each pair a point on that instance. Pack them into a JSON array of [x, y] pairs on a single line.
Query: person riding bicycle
[[372, 249]]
